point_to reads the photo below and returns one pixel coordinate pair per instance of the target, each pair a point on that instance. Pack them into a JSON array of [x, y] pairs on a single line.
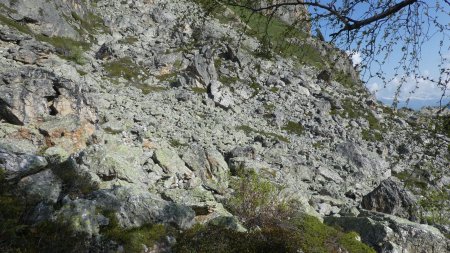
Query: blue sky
[[427, 94]]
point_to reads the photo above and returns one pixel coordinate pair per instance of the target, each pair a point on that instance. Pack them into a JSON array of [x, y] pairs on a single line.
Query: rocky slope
[[146, 112]]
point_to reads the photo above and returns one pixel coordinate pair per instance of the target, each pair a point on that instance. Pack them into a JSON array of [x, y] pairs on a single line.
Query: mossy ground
[[199, 90], [124, 67], [305, 233], [90, 23], [248, 130], [293, 128], [67, 48]]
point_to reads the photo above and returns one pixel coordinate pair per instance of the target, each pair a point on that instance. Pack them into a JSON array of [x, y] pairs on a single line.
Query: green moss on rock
[[134, 239], [248, 130], [294, 128], [126, 68]]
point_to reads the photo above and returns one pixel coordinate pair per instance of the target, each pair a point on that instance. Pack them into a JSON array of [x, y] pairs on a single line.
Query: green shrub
[[435, 204], [257, 201], [302, 234]]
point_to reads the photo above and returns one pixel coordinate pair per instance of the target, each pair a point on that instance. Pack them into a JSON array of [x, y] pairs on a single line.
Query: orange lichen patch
[[23, 133], [71, 140], [148, 144], [27, 134]]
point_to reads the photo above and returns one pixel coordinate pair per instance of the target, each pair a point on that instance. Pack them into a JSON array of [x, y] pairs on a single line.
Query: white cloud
[[420, 89], [355, 56]]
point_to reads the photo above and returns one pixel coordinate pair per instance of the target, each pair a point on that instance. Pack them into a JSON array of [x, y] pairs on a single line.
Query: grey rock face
[[389, 234], [135, 207], [43, 186], [20, 165], [47, 15], [203, 66], [367, 163], [28, 94], [210, 166], [390, 197]]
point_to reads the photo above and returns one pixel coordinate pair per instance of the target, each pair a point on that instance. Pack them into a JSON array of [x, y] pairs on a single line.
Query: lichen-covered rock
[[80, 216], [135, 207], [103, 166], [43, 186], [172, 163], [67, 132], [85, 137], [210, 166], [389, 234], [29, 95]]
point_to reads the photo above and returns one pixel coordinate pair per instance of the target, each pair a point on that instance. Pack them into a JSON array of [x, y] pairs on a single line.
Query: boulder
[[390, 234], [136, 206], [16, 165], [43, 186], [210, 166], [48, 17], [171, 163], [368, 164], [69, 133], [203, 66], [390, 197], [29, 95], [80, 216], [220, 94], [102, 166]]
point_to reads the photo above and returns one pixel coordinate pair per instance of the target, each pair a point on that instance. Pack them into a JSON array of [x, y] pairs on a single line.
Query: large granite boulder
[[391, 198]]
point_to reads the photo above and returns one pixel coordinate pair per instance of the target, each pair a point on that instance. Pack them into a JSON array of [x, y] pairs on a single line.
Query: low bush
[[257, 201], [302, 234]]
